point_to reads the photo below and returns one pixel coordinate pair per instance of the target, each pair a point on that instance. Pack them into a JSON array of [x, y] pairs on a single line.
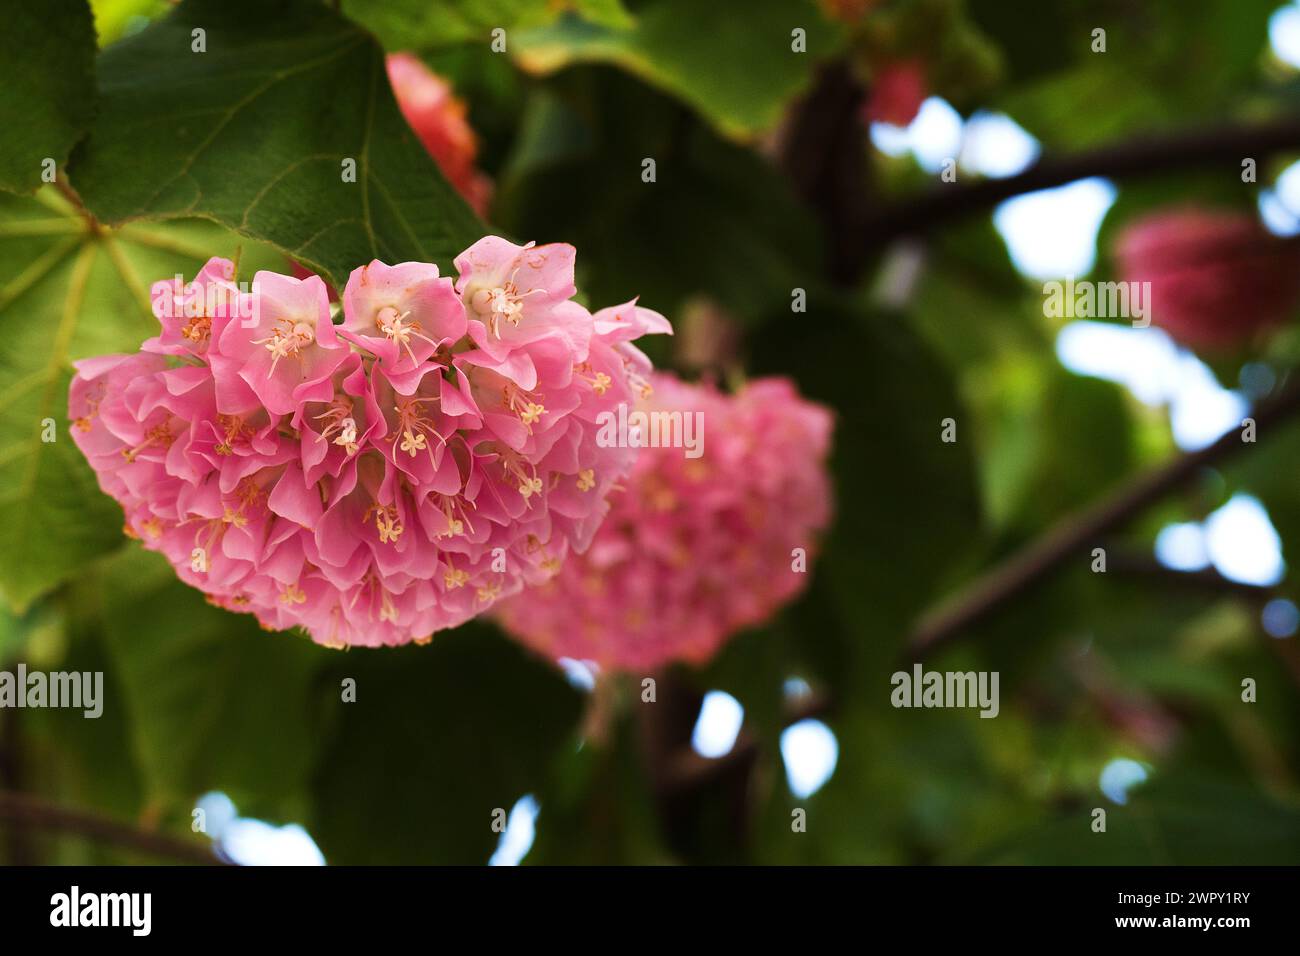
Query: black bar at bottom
[[335, 905]]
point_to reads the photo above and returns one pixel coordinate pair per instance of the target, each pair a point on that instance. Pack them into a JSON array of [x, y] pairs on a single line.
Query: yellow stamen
[[292, 594]]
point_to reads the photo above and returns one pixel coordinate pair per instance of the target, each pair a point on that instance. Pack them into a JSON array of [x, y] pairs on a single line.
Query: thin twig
[[1227, 145], [33, 813]]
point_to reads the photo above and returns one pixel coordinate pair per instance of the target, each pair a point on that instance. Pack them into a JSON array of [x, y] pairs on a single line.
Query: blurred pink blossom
[[438, 119], [1216, 277], [694, 549]]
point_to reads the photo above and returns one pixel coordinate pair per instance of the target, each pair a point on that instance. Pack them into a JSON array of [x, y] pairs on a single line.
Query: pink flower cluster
[[694, 549], [376, 480], [1217, 277]]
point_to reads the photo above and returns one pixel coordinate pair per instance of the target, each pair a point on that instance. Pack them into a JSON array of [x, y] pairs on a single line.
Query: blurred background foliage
[[1119, 690]]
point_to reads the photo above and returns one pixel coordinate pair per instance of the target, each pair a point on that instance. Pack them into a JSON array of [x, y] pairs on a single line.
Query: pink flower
[[518, 296], [694, 548], [287, 350], [373, 482], [898, 89], [1216, 277], [401, 313], [193, 313]]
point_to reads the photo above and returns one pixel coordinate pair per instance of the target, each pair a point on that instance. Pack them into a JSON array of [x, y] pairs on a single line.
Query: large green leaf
[[428, 24], [70, 289], [733, 63], [1183, 819], [1167, 62], [255, 132], [696, 230], [1046, 439], [213, 701], [437, 739], [907, 506], [47, 54]]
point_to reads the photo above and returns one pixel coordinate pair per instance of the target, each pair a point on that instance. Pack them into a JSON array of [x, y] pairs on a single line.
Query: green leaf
[[1182, 819], [1051, 442], [47, 54], [115, 19], [437, 739], [70, 289], [37, 637], [929, 779], [738, 79], [907, 506], [696, 230], [428, 24], [1166, 63], [213, 701], [1047, 439], [256, 134]]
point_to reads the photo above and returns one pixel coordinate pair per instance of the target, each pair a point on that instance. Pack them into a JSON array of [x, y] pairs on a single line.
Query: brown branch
[[1069, 539], [820, 149], [33, 813], [1226, 145]]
